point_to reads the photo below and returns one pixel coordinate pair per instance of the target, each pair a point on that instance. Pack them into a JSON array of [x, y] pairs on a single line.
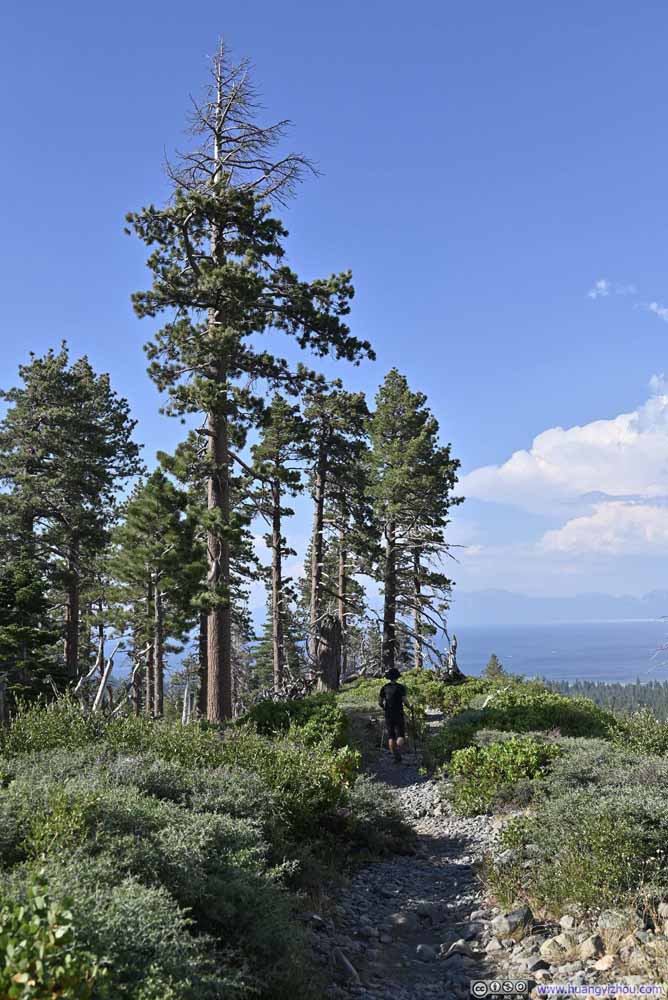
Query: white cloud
[[624, 456], [613, 529], [600, 289], [658, 385], [659, 310]]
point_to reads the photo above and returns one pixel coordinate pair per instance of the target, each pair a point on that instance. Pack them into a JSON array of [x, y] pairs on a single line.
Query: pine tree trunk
[[329, 653], [135, 691], [276, 586], [148, 697], [219, 660], [343, 583], [203, 669], [317, 546], [72, 610], [418, 660], [158, 656], [390, 598]]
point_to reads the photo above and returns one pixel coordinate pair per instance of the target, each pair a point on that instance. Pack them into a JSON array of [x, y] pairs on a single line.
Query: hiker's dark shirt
[[391, 699]]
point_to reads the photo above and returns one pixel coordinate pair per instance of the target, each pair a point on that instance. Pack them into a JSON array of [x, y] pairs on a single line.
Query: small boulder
[[567, 941], [459, 947], [614, 920], [494, 945], [426, 953], [431, 911], [552, 951], [536, 963], [591, 947], [509, 923], [406, 921], [567, 922], [570, 968], [663, 911], [604, 963]]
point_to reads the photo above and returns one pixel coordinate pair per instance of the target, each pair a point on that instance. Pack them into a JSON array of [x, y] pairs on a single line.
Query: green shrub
[[59, 725], [643, 732], [40, 956], [307, 781], [147, 941], [312, 720], [594, 847], [530, 706], [454, 735], [485, 776], [425, 690]]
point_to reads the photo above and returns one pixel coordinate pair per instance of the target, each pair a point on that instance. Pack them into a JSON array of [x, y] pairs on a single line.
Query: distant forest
[[622, 698]]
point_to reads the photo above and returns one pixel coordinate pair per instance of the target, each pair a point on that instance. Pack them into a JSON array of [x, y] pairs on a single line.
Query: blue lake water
[[596, 651]]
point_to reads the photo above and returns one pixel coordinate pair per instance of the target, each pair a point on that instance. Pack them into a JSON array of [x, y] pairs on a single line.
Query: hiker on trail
[[392, 699]]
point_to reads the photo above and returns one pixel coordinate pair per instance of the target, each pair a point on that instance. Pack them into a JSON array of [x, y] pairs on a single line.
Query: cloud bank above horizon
[[603, 486]]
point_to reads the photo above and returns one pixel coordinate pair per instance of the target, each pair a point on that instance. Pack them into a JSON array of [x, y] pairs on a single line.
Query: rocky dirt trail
[[408, 928]]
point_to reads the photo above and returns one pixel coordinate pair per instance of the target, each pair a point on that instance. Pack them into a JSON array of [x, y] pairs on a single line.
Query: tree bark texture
[[203, 670], [390, 598], [328, 653], [72, 611], [159, 655], [219, 660], [342, 588], [148, 691], [317, 546], [418, 659], [276, 586]]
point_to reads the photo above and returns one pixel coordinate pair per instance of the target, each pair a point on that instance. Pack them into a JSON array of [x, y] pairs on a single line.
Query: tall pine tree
[[218, 270], [278, 465], [411, 481], [65, 449]]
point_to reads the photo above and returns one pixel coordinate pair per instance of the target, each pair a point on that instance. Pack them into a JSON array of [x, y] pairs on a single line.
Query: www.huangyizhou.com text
[[598, 990]]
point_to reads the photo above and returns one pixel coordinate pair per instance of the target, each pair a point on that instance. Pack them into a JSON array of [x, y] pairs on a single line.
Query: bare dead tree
[[234, 148]]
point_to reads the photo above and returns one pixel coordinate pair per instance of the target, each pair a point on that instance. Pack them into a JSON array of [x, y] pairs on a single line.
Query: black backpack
[[394, 698]]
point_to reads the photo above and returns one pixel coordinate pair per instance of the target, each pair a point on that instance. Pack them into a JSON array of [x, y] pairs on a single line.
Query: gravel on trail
[[407, 928]]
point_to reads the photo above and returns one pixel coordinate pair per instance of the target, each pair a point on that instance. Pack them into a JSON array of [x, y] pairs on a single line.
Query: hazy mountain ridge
[[503, 607]]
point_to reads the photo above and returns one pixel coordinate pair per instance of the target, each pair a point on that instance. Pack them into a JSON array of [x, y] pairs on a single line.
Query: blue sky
[[484, 166]]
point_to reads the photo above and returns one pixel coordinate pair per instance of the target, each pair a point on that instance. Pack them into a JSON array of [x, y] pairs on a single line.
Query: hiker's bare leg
[[391, 745], [401, 743]]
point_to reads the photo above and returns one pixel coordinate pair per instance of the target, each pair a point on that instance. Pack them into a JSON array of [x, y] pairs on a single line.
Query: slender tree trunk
[[72, 611], [203, 670], [159, 654], [100, 635], [135, 689], [317, 547], [219, 688], [148, 698], [276, 586], [390, 598], [418, 659], [342, 588]]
